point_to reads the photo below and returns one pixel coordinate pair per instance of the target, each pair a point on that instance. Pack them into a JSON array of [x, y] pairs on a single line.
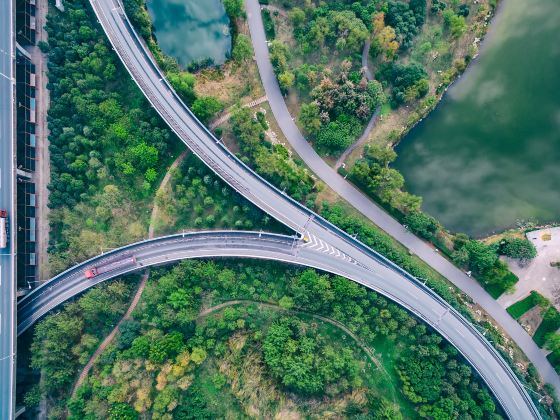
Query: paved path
[[365, 59], [365, 135], [141, 285], [377, 215], [227, 115]]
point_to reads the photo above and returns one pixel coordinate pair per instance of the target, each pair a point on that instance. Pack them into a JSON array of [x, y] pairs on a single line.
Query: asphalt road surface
[[290, 249], [7, 278], [376, 214]]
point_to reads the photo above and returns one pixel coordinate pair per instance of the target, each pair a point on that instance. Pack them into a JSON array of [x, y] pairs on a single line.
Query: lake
[[191, 30], [489, 156]]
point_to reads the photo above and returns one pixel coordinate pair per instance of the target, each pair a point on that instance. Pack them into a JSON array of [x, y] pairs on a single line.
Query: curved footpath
[[327, 247], [373, 119], [290, 249], [376, 214]]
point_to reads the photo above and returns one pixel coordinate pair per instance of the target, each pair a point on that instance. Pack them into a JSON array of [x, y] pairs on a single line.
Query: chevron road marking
[[317, 244]]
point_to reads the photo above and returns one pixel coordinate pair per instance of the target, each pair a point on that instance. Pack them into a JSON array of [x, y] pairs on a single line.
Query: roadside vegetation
[[252, 339], [197, 198]]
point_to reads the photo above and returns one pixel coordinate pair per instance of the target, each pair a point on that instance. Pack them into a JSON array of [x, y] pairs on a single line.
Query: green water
[[489, 155], [191, 30]]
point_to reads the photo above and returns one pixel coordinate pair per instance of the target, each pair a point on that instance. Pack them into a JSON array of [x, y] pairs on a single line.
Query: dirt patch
[[531, 320], [233, 82]]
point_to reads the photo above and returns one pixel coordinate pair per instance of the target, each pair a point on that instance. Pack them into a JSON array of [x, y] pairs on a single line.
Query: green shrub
[[521, 249], [549, 324]]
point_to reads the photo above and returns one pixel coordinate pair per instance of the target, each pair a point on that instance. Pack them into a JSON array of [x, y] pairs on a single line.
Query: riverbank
[[486, 160]]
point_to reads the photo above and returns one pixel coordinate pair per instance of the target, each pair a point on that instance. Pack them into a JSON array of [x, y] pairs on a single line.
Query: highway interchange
[[7, 266], [328, 248]]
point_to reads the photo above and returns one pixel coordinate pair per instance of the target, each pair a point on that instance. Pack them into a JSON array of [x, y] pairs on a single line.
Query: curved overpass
[[339, 252], [417, 298]]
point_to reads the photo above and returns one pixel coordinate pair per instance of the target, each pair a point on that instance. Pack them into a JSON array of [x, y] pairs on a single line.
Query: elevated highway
[[7, 200], [346, 253], [417, 298]]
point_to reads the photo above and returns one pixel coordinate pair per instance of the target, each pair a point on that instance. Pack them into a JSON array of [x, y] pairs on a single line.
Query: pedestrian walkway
[[225, 117]]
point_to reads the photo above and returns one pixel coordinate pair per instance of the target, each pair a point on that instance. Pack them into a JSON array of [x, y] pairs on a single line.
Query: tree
[[384, 37], [409, 81], [242, 50], [406, 19], [422, 224], [297, 17], [122, 411], [286, 80], [481, 256], [348, 30], [553, 342], [521, 249], [183, 83], [454, 23], [309, 117], [338, 135], [206, 107], [382, 155], [303, 363], [234, 8]]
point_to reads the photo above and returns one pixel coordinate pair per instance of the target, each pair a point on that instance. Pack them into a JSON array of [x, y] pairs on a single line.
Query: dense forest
[[210, 339], [108, 148]]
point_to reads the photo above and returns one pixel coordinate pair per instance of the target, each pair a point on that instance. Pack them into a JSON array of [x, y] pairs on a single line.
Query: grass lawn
[[550, 323], [519, 308], [554, 361], [498, 288]]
